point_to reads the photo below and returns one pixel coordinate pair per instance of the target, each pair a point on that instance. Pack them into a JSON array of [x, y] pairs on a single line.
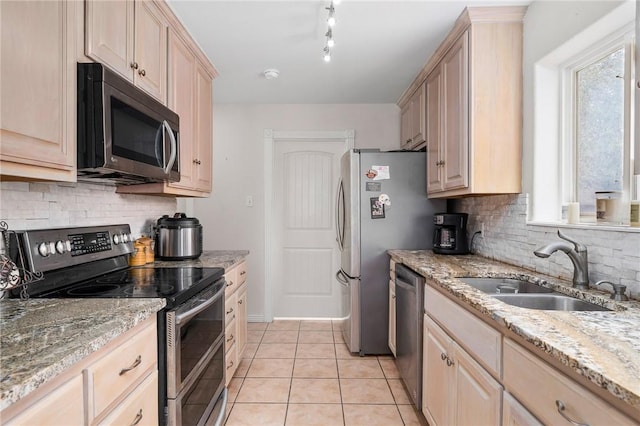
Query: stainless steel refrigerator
[[381, 205]]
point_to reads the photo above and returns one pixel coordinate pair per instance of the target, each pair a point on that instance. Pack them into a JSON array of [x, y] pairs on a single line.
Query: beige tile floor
[[301, 373]]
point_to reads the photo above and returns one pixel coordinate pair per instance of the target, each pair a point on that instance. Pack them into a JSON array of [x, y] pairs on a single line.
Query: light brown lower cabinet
[[474, 374], [456, 389], [116, 385], [551, 396], [235, 336]]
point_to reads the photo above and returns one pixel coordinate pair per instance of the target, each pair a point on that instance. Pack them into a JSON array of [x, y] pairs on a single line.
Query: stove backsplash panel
[[613, 255], [26, 205]]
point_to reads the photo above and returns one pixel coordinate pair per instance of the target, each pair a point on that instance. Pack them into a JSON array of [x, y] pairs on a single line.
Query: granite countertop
[[602, 346], [40, 338], [209, 259]]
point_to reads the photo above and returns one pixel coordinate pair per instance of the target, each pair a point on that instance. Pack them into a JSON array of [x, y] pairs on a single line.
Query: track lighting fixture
[[331, 22]]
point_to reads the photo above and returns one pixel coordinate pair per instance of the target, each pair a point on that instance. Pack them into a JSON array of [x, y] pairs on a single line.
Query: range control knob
[[43, 249], [116, 239], [61, 247], [125, 238], [52, 247]]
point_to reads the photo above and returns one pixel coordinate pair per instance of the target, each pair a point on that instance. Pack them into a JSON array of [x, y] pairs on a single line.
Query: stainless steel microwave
[[124, 135]]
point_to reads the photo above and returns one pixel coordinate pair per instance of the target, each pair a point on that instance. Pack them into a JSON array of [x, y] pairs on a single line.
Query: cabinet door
[[151, 50], [417, 117], [204, 129], [241, 320], [392, 317], [109, 34], [55, 409], [38, 97], [433, 133], [455, 82], [182, 73], [405, 125], [477, 394], [437, 384]]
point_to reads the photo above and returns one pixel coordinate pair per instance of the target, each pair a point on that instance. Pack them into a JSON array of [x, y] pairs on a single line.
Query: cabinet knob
[[142, 73], [134, 65]]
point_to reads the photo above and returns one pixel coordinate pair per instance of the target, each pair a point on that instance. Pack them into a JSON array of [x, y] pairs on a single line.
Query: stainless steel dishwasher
[[409, 320]]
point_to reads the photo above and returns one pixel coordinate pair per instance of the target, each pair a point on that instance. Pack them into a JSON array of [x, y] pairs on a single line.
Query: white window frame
[[623, 38]]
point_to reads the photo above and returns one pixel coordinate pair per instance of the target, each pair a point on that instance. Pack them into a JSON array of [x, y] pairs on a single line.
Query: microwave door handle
[[174, 147]]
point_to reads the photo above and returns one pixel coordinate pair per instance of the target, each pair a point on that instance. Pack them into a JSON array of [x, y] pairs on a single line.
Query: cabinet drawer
[[140, 407], [230, 335], [111, 376], [230, 308], [538, 386], [231, 277], [241, 271], [231, 363], [55, 408], [483, 342]]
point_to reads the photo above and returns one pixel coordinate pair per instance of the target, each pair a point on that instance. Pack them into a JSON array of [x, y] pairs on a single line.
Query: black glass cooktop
[[173, 284]]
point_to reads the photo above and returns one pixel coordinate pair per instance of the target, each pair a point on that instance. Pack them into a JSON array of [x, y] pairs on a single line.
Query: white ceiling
[[380, 46]]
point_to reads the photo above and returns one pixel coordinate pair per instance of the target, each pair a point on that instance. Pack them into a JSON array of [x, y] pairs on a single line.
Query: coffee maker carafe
[[450, 233]]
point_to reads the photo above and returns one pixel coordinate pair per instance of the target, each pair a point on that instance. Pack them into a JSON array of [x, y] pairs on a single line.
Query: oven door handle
[[185, 316]]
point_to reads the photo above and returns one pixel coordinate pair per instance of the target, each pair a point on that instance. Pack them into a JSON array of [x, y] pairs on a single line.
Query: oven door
[[194, 330], [203, 399]]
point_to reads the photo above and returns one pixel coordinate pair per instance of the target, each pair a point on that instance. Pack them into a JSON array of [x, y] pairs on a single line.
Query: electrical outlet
[[249, 201], [482, 229]]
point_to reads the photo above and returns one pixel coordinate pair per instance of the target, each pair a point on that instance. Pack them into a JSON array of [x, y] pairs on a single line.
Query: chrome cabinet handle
[[230, 338], [443, 356], [561, 408], [138, 418], [449, 362], [136, 363], [240, 302], [230, 365], [243, 272], [230, 310], [197, 162], [134, 65], [142, 73], [230, 283]]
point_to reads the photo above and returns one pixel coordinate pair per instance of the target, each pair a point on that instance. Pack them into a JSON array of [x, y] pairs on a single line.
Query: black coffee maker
[[450, 233]]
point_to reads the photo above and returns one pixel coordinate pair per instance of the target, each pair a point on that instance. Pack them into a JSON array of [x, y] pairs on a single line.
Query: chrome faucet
[[577, 253]]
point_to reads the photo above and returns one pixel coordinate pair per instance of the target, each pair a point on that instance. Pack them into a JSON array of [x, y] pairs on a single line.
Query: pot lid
[[178, 220]]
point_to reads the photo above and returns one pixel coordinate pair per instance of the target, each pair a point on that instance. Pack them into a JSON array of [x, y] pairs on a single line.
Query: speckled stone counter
[[209, 259], [40, 338], [602, 346]]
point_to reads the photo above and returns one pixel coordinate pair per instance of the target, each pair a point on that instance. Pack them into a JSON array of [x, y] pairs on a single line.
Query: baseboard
[[255, 318]]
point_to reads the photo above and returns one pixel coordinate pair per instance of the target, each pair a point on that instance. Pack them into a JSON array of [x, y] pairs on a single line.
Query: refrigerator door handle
[[342, 278], [339, 222]]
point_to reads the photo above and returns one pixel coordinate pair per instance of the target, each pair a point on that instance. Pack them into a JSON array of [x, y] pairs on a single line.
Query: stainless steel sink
[[548, 302], [504, 285]]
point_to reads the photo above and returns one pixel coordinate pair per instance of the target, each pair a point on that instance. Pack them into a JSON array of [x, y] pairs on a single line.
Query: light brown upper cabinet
[[473, 103], [131, 38], [412, 128], [190, 95], [38, 96]]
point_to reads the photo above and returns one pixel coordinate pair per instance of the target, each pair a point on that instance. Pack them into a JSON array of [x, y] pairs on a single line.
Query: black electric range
[[92, 262]]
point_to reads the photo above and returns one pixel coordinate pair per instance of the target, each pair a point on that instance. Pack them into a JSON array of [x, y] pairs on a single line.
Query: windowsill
[[585, 226]]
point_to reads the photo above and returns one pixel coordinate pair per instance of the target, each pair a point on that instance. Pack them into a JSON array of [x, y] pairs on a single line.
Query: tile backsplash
[[26, 205], [613, 255]]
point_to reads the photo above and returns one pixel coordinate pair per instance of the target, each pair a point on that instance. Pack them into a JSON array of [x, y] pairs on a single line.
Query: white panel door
[[305, 177]]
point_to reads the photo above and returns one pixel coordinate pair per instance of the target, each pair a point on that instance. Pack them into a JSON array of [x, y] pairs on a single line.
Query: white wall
[[238, 167], [613, 254]]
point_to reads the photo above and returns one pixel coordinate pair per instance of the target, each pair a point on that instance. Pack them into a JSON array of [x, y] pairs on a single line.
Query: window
[[598, 122]]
